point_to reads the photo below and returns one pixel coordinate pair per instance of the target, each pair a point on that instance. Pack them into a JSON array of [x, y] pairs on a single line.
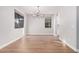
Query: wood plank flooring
[[37, 44]]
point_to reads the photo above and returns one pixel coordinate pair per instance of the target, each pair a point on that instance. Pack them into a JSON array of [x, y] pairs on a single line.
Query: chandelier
[[37, 12]]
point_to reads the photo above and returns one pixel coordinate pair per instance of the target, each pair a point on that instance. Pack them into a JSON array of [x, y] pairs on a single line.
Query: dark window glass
[[48, 22], [19, 21]]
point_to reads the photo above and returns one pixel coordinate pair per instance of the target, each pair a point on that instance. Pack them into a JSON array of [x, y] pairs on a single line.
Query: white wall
[[7, 30], [36, 26], [67, 26]]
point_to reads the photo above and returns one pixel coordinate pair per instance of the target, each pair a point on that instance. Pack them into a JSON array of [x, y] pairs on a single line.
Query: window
[[19, 21], [48, 22]]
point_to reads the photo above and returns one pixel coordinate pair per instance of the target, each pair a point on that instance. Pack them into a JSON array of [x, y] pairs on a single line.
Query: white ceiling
[[43, 9]]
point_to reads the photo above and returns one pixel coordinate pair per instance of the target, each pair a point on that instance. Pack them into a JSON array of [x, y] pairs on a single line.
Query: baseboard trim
[[68, 44], [39, 34], [10, 42]]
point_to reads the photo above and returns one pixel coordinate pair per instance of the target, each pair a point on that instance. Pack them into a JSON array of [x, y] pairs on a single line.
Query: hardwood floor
[[37, 44]]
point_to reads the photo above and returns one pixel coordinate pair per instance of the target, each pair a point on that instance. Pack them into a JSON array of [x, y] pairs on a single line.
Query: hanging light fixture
[[37, 12]]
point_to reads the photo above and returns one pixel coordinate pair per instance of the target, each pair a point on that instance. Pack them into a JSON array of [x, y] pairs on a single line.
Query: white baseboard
[[38, 34], [6, 44], [68, 44]]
